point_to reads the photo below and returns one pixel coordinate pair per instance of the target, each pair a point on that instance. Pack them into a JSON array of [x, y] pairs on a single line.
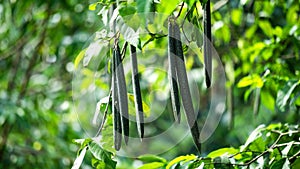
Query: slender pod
[[185, 90], [206, 43], [137, 92], [122, 93], [115, 107], [172, 72]]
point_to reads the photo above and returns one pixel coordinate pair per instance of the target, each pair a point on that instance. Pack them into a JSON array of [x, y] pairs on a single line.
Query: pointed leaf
[[223, 151], [79, 159], [79, 58], [151, 158], [153, 165]]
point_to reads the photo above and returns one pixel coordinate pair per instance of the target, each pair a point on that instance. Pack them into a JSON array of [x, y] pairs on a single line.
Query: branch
[[182, 5]]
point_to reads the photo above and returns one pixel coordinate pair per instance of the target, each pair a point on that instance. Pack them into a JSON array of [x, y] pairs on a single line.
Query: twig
[[295, 156], [123, 51], [182, 5]]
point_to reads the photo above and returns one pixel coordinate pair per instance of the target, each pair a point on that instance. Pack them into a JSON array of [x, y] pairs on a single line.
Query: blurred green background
[[39, 41]]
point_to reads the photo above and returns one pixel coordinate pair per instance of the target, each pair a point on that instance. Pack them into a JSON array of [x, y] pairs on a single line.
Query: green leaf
[[284, 94], [148, 158], [153, 165], [167, 6], [79, 58], [296, 163], [190, 3], [107, 135], [253, 80], [143, 6], [253, 136], [292, 16], [222, 30], [78, 161], [281, 164], [181, 158], [266, 27], [93, 6], [274, 126], [258, 145], [146, 108], [297, 101], [223, 151], [268, 100], [127, 10], [236, 16], [102, 155], [250, 32]]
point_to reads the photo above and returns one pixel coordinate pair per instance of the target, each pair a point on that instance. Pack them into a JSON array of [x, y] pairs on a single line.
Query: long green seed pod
[[122, 93], [185, 90], [137, 92], [172, 72], [206, 43], [115, 107]]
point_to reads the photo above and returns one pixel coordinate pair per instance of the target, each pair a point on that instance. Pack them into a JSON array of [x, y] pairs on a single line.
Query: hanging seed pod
[[122, 93], [172, 71], [185, 90], [137, 92], [206, 43], [115, 107]]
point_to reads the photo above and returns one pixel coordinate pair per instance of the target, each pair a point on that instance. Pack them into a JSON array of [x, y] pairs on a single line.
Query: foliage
[[38, 42], [273, 146]]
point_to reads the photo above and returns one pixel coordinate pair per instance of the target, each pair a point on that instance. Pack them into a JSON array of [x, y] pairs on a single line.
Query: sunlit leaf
[[153, 165], [266, 27], [236, 16], [167, 7], [93, 6], [181, 158], [250, 32], [223, 151], [254, 80], [148, 158], [79, 58]]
